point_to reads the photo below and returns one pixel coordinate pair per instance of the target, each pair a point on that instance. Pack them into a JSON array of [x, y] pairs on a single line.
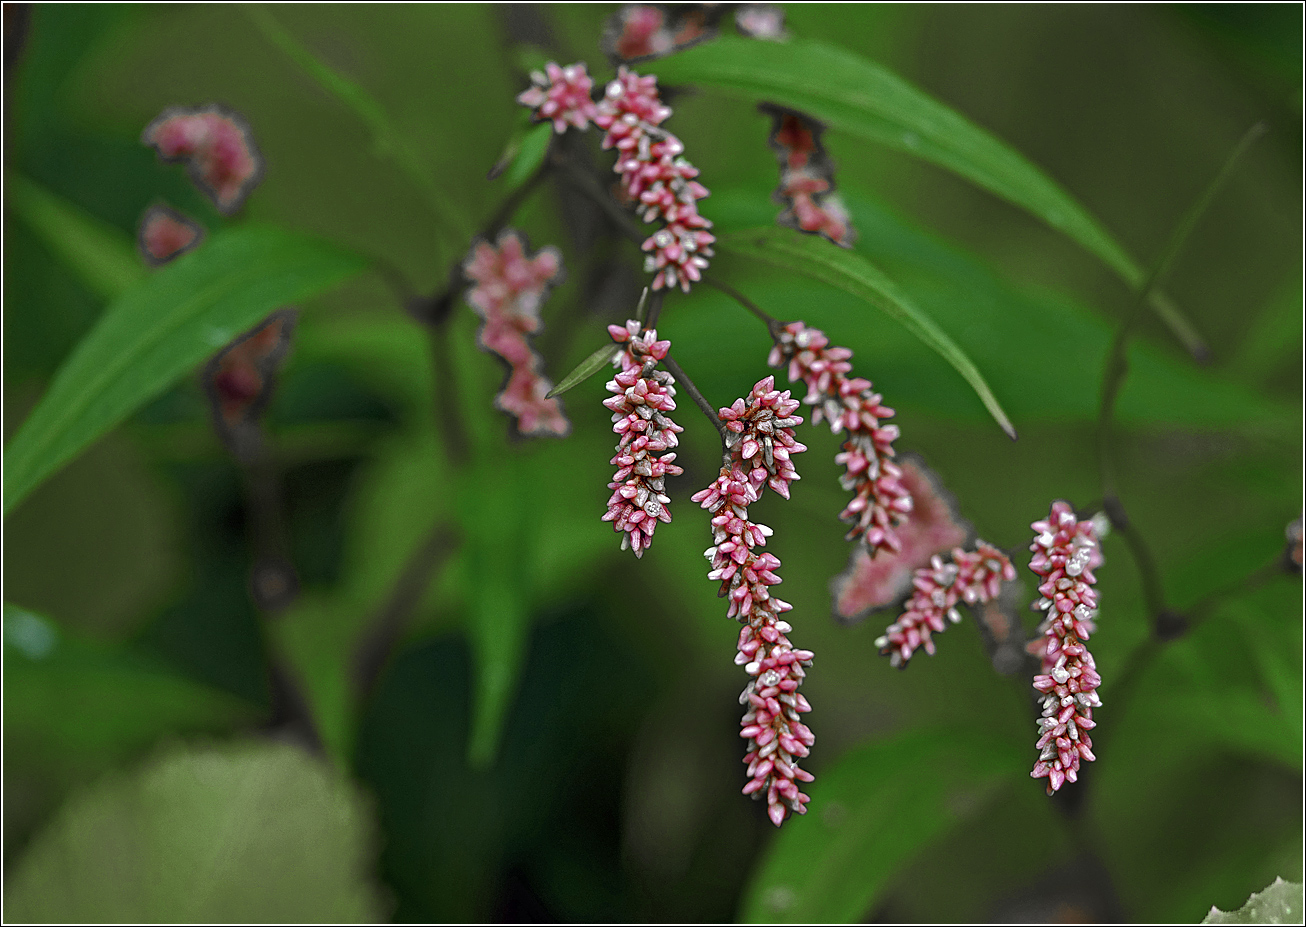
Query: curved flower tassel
[[643, 398], [880, 501], [1065, 555]]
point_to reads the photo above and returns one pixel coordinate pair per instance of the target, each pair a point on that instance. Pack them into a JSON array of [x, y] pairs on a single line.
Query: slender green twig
[[773, 325]]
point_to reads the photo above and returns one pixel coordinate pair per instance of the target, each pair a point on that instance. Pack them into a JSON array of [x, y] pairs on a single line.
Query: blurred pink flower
[[1066, 552], [166, 234], [218, 147], [643, 398], [508, 288], [807, 178], [561, 95], [761, 21], [880, 502], [870, 582], [642, 30]]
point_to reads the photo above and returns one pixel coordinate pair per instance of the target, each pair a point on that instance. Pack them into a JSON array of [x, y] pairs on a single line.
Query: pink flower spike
[[1066, 551], [561, 95], [642, 398], [218, 147]]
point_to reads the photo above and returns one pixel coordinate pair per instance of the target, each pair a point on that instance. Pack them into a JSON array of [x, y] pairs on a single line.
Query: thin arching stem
[[773, 325], [685, 383]]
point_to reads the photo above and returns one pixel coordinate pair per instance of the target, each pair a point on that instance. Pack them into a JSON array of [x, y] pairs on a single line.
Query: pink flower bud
[[218, 147]]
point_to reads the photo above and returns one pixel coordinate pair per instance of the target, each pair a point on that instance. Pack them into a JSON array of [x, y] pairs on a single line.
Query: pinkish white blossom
[[561, 95], [869, 582], [642, 30], [1065, 555], [776, 736], [760, 436], [656, 179], [508, 288], [643, 398], [969, 576], [166, 234], [218, 147], [761, 21], [880, 502]]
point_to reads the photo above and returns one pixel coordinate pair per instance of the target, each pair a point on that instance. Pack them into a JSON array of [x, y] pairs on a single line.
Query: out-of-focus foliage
[[553, 733]]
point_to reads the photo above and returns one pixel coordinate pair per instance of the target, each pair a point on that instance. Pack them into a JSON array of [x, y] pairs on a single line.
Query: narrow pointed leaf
[[101, 256], [815, 258], [533, 146], [159, 330], [854, 95], [586, 369]]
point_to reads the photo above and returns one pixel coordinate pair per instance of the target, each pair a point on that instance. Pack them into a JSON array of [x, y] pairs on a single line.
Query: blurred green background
[[132, 648]]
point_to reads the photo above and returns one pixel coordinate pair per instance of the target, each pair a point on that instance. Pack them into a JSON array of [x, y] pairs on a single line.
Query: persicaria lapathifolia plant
[[1065, 554]]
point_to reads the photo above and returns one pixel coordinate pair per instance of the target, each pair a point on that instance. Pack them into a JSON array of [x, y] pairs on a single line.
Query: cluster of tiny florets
[[760, 436], [776, 736], [880, 502], [166, 234], [968, 576], [1065, 553], [641, 405], [218, 147], [508, 287], [807, 179], [655, 177]]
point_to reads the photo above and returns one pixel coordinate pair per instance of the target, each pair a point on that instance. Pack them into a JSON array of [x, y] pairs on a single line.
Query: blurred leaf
[[860, 97], [1273, 341], [586, 368], [388, 142], [244, 832], [532, 145], [871, 812], [100, 255], [1280, 903], [87, 706], [159, 330], [813, 257]]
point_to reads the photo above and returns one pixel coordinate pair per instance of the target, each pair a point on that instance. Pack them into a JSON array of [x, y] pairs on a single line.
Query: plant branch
[[683, 381], [773, 325], [587, 185]]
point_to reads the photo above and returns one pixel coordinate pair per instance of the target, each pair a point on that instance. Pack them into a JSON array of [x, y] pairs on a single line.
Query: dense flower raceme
[[880, 501], [643, 398], [166, 234], [1065, 555], [807, 178], [508, 287], [218, 147], [654, 175], [776, 736], [968, 576]]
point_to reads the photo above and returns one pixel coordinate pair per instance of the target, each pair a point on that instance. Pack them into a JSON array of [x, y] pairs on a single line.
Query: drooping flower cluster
[[968, 576], [935, 526], [166, 234], [508, 288], [776, 736], [643, 398], [640, 31], [240, 379], [807, 178], [655, 177], [218, 147], [880, 501], [1065, 555]]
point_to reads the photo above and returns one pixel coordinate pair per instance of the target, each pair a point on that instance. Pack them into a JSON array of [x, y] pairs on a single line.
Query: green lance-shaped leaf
[[866, 100], [1280, 903], [244, 832], [101, 256], [159, 330], [870, 813], [586, 369], [524, 153], [852, 273]]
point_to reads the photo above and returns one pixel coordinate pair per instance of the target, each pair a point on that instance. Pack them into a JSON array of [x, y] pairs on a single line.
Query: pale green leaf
[[813, 257], [159, 330], [250, 832], [586, 369]]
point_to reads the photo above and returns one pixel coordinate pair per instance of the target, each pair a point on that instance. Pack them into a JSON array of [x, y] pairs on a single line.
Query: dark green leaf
[[813, 257], [250, 832], [159, 330], [99, 254], [586, 369], [871, 813], [864, 99]]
